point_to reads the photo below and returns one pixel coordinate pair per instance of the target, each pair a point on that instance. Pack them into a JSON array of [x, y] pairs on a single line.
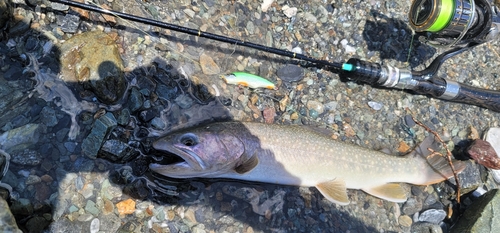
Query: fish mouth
[[175, 159]]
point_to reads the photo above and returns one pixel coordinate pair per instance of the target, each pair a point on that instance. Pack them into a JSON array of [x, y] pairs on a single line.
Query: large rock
[[7, 220], [20, 138], [481, 215], [93, 59]]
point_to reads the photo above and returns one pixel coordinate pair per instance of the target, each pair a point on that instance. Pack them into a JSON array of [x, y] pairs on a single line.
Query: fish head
[[203, 152]]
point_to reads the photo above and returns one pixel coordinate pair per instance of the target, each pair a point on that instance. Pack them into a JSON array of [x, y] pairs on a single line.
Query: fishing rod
[[461, 24]]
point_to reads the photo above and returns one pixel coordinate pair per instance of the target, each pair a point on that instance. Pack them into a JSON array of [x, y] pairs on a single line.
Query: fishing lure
[[248, 80]]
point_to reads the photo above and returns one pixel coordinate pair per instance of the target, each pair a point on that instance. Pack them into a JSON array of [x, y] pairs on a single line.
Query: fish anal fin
[[392, 192], [247, 165], [334, 190]]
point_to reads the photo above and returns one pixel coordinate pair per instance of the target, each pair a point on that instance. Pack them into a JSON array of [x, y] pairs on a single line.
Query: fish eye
[[189, 139]]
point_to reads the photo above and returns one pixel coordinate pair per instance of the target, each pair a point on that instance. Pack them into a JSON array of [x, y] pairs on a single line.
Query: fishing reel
[[450, 23]]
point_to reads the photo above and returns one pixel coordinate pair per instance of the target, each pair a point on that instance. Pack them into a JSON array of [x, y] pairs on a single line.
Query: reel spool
[[448, 23]]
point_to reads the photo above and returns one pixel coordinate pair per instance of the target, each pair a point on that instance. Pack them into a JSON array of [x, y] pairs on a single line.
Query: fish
[[298, 156], [248, 80]]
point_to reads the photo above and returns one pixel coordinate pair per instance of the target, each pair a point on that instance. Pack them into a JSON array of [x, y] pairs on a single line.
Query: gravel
[[59, 176]]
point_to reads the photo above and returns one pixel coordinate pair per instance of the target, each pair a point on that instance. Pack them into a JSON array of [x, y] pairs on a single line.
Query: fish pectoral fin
[[334, 190], [247, 165], [392, 192]]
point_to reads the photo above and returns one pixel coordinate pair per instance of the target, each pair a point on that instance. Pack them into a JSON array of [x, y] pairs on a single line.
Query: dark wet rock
[[22, 25], [167, 92], [470, 178], [19, 121], [433, 216], [148, 115], [27, 157], [481, 215], [290, 73], [5, 13], [100, 129], [37, 224], [137, 189], [261, 202], [22, 207], [20, 138], [117, 151], [426, 227], [70, 146], [7, 220], [14, 72], [83, 165], [123, 117], [411, 206], [93, 58], [135, 99], [48, 116]]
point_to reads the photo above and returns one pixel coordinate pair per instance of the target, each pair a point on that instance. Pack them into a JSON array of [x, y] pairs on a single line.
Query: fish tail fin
[[437, 167]]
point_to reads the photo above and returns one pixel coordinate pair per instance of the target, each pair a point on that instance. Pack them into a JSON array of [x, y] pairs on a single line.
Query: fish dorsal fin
[[334, 190], [392, 192], [247, 165]]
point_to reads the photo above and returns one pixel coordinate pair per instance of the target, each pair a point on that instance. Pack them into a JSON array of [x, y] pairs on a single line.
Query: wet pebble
[[405, 220], [95, 225], [433, 216], [33, 179], [411, 206], [375, 105], [27, 157]]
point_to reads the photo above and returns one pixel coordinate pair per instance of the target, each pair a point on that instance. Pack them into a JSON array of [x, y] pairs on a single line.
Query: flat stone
[[290, 73]]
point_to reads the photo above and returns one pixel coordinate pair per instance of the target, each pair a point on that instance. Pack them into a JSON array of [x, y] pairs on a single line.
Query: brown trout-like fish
[[297, 155]]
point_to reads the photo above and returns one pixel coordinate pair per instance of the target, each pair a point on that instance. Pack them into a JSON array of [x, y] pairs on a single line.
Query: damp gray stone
[[48, 116], [27, 157], [20, 138], [184, 101], [290, 73], [432, 216], [136, 99]]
